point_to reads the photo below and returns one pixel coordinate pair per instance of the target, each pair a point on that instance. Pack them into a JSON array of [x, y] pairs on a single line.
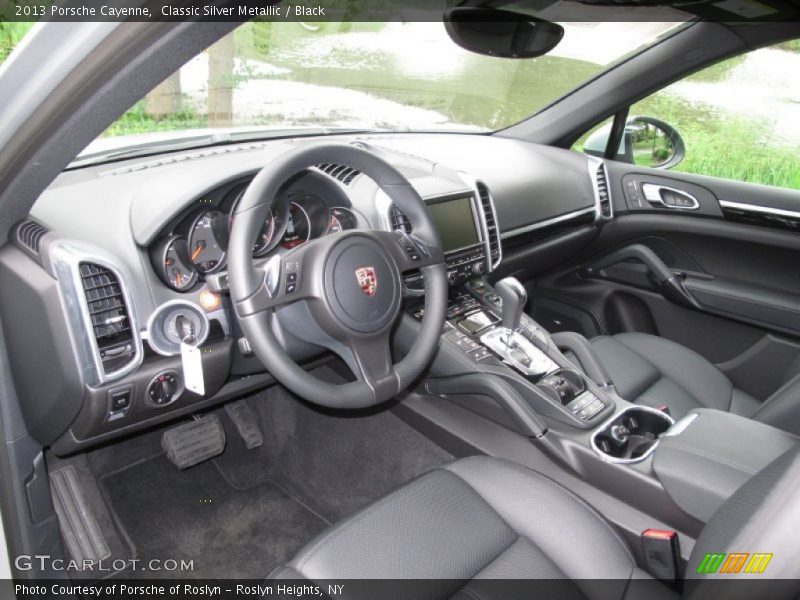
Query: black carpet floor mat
[[196, 515], [246, 512]]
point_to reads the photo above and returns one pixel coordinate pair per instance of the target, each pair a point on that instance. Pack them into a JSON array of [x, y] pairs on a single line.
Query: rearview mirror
[[647, 142], [500, 32]]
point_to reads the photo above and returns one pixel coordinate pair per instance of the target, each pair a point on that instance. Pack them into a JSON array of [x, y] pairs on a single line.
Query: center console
[[467, 226], [488, 333], [497, 362]]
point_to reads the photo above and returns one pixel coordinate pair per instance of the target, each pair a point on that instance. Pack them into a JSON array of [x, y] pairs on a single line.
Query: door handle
[[669, 197]]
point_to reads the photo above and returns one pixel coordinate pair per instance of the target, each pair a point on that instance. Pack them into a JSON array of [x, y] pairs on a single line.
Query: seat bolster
[[743, 404], [435, 527], [629, 371], [284, 572], [575, 537], [782, 409]]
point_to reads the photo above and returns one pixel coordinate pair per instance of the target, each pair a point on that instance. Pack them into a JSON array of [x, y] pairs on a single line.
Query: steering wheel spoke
[[373, 364], [283, 283], [410, 253]]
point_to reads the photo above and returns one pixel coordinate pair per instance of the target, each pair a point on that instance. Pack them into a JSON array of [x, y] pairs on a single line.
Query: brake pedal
[[244, 419], [192, 443]]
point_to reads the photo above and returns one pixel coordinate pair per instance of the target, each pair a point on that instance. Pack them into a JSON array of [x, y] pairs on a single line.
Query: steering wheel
[[341, 291]]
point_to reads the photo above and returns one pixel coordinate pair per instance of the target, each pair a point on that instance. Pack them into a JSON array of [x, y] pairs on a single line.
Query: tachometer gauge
[[298, 227], [208, 241]]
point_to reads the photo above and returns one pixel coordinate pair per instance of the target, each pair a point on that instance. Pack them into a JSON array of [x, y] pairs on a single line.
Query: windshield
[[388, 76]]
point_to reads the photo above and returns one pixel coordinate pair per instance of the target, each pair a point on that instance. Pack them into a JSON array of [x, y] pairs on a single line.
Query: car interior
[[422, 356]]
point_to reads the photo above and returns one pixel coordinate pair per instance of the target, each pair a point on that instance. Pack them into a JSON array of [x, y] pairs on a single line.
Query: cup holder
[[632, 435]]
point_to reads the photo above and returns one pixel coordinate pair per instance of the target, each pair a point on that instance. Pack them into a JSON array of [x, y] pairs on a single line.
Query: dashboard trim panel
[[595, 164], [547, 223], [473, 182], [65, 258]]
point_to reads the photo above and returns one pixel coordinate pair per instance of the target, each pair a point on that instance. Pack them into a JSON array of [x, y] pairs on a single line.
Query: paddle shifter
[[514, 297]]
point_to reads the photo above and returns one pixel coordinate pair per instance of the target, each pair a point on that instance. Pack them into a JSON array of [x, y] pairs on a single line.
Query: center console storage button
[[477, 321], [480, 354]]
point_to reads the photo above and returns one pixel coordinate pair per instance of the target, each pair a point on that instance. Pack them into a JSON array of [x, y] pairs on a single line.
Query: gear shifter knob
[[513, 296]]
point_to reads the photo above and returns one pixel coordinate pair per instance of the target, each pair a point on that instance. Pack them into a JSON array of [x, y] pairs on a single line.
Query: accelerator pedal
[[191, 443], [244, 419]]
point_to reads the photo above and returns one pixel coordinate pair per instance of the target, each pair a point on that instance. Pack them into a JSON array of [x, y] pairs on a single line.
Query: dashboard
[[117, 262]]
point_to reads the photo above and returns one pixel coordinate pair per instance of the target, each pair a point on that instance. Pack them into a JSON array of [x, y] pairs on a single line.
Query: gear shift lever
[[513, 297], [514, 347]]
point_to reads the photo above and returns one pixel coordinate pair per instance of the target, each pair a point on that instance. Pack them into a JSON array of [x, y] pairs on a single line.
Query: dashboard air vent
[[603, 196], [490, 216], [109, 316], [30, 235], [343, 173], [399, 220]]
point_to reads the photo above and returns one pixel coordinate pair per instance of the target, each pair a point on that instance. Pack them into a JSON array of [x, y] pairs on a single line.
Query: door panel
[[734, 289]]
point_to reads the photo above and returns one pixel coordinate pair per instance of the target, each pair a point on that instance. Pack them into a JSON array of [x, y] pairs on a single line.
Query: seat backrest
[[761, 518]]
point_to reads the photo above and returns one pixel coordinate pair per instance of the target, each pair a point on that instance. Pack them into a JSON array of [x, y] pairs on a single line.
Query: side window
[[738, 119]]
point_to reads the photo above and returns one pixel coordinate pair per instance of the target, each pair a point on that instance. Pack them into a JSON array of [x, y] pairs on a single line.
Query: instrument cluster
[[197, 243]]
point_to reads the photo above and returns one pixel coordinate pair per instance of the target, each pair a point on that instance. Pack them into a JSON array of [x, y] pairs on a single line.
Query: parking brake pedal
[[244, 419], [191, 443]]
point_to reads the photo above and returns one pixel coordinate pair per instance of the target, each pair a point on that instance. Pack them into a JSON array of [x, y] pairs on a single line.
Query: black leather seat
[[482, 518], [653, 371], [650, 370]]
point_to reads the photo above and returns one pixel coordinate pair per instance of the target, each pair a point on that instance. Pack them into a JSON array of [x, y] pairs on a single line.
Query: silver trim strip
[[594, 165], [547, 222], [497, 339], [652, 193], [680, 425], [155, 342], [778, 212], [611, 419], [493, 208], [65, 259], [473, 183]]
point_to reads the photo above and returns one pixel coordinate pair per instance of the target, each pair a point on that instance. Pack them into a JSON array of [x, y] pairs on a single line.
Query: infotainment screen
[[456, 225]]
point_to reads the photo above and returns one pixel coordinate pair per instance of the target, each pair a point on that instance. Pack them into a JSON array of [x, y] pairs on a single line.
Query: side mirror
[[500, 32], [647, 142]]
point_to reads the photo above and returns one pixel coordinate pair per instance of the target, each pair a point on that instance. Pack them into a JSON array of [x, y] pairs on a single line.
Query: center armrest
[[709, 454]]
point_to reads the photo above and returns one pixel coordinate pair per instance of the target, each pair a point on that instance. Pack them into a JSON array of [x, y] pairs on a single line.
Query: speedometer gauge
[[340, 219], [208, 241], [177, 270]]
